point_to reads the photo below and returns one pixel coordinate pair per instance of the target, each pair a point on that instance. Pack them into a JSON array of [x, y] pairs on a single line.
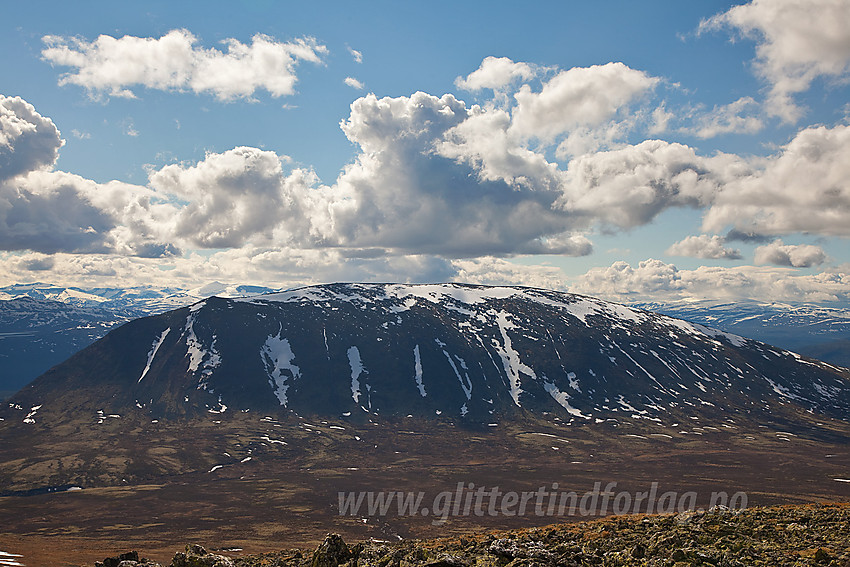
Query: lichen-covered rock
[[783, 535], [197, 556], [331, 552], [129, 559]]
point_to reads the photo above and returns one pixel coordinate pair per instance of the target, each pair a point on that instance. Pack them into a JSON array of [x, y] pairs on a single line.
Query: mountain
[[474, 353], [47, 338], [43, 324], [821, 332]]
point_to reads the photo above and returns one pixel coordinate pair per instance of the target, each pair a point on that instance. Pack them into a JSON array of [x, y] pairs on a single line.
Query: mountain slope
[[475, 353]]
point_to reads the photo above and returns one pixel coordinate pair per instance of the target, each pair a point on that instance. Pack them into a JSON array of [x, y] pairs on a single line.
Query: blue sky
[[636, 151]]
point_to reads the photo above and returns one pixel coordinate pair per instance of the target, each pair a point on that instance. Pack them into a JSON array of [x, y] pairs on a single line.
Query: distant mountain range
[[136, 301], [816, 331], [475, 353], [41, 325]]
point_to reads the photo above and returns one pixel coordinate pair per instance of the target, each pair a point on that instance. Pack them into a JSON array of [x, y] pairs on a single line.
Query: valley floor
[[261, 483]]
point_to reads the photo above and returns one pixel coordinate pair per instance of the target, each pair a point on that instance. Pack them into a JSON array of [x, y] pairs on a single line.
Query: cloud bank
[[436, 176], [655, 280], [28, 140], [432, 176]]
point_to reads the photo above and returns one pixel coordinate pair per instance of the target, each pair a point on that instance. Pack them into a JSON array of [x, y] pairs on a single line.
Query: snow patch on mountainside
[[571, 376], [465, 382], [434, 293], [277, 356], [782, 391], [702, 331], [563, 399], [583, 307], [30, 418], [514, 367], [193, 346], [403, 297], [437, 293], [417, 363], [152, 353], [356, 370], [207, 360]]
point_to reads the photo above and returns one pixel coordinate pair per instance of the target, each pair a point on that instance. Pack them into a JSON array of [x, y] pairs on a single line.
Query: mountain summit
[[469, 352]]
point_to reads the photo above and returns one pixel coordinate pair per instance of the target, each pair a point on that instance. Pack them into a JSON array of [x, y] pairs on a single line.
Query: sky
[[636, 151]]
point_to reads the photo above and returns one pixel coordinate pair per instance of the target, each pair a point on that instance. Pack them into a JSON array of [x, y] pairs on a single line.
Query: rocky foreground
[[783, 535]]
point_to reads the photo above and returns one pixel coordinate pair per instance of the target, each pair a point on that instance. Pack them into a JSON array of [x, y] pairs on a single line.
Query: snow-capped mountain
[[475, 353], [42, 324]]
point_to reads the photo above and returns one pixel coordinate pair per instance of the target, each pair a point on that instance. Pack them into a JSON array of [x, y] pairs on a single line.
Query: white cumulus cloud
[[54, 211], [115, 66], [797, 42], [739, 117], [354, 83], [798, 256], [28, 140], [630, 186], [581, 96], [704, 246], [236, 196], [356, 55], [495, 73], [403, 192], [802, 188]]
